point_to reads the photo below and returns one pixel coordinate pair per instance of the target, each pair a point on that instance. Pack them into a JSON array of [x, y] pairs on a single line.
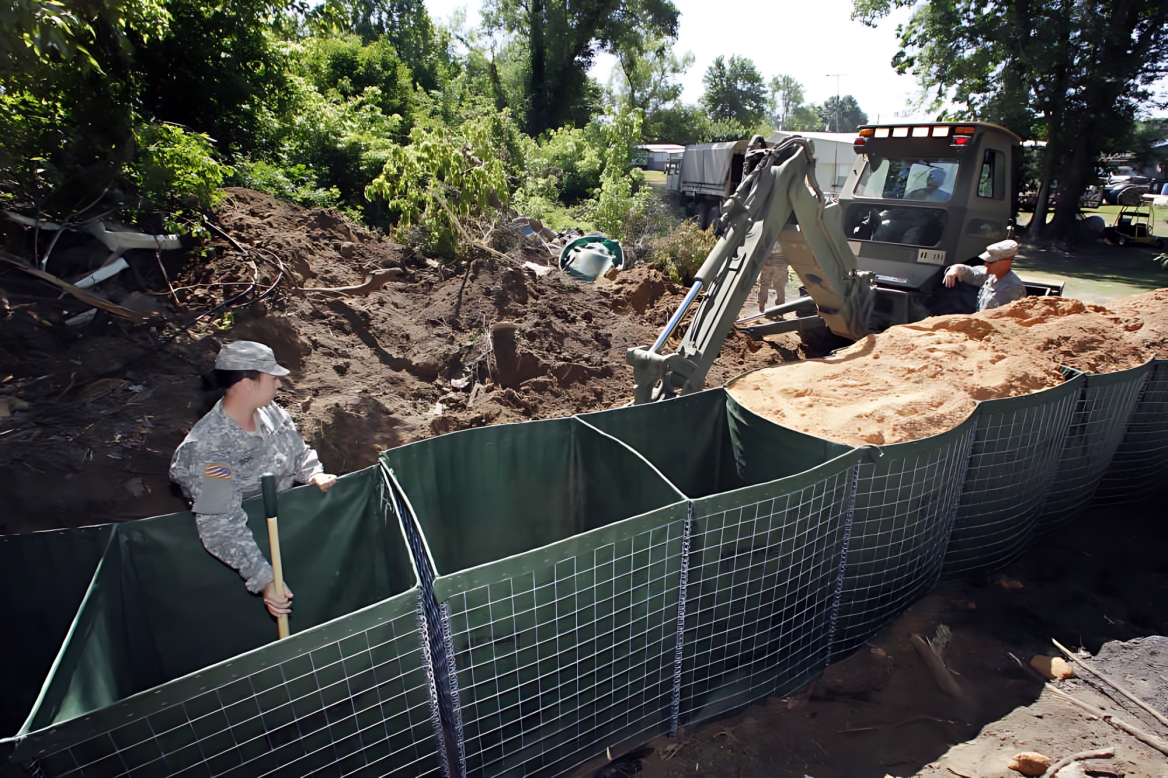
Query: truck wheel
[[704, 216]]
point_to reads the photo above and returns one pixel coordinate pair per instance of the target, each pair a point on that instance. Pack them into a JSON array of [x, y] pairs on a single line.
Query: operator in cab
[[998, 283], [220, 462]]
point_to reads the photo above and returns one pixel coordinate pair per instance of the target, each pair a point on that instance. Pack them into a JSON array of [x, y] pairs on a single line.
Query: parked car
[[1092, 198], [1125, 189]]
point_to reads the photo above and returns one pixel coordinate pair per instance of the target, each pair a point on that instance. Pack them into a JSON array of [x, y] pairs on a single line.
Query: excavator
[[919, 198]]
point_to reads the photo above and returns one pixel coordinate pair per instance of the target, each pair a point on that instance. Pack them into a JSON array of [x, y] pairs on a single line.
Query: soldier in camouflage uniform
[[220, 462]]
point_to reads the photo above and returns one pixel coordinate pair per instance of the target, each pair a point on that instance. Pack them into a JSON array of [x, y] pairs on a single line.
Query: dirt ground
[[94, 412], [98, 409]]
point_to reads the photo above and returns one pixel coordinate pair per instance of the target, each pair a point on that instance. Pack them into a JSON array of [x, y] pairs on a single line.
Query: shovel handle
[[268, 484]]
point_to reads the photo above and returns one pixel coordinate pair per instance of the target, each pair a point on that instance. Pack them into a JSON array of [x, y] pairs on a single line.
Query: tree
[[405, 24], [786, 98], [841, 114], [735, 91], [1074, 71], [218, 71], [561, 38], [805, 118], [648, 82]]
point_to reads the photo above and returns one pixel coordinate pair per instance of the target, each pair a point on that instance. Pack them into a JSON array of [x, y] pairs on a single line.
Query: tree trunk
[[537, 116]]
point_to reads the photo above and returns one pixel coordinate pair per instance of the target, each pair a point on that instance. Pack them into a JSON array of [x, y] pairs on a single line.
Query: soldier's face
[[266, 388]]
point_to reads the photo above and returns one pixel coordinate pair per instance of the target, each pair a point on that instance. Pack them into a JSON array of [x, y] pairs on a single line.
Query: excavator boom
[[752, 220]]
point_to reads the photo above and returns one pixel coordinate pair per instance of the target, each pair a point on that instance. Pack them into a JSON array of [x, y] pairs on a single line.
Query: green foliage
[[220, 69], [735, 91], [439, 174], [841, 114], [559, 40], [295, 184], [36, 34], [344, 69], [176, 169], [804, 118], [786, 97], [681, 253]]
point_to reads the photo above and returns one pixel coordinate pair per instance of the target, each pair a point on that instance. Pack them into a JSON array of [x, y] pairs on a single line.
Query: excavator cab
[[924, 196]]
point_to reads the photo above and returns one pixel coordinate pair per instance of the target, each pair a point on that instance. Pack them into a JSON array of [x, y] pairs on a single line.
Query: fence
[[515, 600]]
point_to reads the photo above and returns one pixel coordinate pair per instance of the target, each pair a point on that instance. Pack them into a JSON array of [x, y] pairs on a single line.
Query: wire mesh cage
[[143, 688]]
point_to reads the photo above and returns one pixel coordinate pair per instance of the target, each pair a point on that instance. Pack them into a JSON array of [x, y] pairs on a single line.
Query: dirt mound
[[102, 407], [921, 379], [1150, 312]]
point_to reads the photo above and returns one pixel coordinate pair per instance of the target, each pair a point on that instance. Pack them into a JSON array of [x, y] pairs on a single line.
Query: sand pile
[[1150, 310], [921, 379]]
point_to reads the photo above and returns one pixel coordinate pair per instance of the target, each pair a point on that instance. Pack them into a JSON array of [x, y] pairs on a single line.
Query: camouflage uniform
[[219, 464], [773, 273]]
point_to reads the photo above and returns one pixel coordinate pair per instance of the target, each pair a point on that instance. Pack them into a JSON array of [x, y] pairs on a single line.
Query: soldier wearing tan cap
[[220, 462], [999, 283]]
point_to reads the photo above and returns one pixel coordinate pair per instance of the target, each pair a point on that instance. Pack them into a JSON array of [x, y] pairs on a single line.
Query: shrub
[[680, 253], [175, 171]]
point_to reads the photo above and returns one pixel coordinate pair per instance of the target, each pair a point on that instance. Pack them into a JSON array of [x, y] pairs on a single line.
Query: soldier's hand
[[950, 276], [324, 481], [276, 605]]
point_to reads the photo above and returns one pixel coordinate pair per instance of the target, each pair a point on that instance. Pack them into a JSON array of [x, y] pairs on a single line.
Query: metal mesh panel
[[571, 655], [357, 705], [763, 585], [1097, 427], [1140, 466], [446, 711], [905, 505], [350, 697], [1016, 449]]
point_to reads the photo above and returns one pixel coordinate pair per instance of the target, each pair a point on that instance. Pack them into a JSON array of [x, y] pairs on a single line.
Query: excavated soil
[[95, 411], [921, 379]]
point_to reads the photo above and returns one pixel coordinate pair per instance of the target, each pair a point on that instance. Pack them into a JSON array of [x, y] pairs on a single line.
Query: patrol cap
[[1004, 249], [248, 355]]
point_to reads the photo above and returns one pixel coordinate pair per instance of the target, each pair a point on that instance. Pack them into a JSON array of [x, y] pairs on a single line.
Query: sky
[[812, 40]]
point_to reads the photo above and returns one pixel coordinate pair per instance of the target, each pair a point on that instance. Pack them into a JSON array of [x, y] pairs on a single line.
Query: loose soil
[[97, 410], [917, 380], [90, 414]]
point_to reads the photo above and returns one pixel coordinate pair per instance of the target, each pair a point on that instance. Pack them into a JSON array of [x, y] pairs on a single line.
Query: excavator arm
[[752, 221]]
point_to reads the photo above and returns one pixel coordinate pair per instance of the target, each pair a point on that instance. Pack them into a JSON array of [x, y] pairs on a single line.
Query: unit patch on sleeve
[[213, 470]]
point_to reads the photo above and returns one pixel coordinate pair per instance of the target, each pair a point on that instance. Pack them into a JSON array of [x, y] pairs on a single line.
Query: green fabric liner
[[765, 451], [1139, 468], [43, 578], [554, 546], [486, 494], [763, 583], [160, 607], [686, 438], [1101, 415], [1015, 455]]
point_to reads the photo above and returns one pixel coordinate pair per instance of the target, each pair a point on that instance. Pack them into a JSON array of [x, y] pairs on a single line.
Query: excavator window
[[887, 178], [883, 224]]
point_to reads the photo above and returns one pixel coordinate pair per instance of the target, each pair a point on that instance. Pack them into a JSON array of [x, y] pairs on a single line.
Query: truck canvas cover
[[705, 167]]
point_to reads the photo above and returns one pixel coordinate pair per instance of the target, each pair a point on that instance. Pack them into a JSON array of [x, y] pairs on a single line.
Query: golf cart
[[1133, 225]]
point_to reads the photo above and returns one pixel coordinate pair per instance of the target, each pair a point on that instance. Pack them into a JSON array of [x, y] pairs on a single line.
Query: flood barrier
[[516, 600]]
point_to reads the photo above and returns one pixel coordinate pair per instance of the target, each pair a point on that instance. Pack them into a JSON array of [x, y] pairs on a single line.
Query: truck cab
[[924, 196]]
